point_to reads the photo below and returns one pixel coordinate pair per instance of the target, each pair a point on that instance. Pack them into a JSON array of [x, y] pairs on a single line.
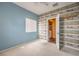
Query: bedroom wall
[[69, 44], [12, 25]]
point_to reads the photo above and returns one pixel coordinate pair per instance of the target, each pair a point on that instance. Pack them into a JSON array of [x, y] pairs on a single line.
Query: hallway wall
[[12, 25]]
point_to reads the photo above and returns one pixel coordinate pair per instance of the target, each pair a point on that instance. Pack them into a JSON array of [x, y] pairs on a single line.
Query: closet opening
[[52, 30]]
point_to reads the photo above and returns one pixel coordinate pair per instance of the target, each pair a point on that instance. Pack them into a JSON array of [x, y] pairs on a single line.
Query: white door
[[57, 32]]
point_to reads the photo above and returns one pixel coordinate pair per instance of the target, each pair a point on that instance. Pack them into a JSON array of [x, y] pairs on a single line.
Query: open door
[[57, 32]]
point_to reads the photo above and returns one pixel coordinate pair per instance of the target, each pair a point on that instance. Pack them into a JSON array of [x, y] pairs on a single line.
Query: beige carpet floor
[[37, 48]]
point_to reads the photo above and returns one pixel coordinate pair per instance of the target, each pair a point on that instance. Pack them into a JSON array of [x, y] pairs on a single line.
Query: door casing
[[57, 30]]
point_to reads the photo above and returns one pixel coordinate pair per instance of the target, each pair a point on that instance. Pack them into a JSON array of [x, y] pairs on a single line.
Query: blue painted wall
[[12, 25]]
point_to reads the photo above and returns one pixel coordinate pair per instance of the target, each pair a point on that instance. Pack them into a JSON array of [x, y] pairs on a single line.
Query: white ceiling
[[42, 7]]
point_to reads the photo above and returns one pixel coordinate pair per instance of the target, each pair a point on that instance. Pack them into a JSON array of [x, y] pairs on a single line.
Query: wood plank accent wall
[[69, 32]]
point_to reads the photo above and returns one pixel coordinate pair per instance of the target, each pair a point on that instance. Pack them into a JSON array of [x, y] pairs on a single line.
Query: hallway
[[36, 48]]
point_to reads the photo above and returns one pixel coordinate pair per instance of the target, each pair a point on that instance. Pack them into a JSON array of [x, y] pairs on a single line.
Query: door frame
[[57, 30]]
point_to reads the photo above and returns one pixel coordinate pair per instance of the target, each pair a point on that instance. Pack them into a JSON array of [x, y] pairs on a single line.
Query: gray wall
[[12, 25]]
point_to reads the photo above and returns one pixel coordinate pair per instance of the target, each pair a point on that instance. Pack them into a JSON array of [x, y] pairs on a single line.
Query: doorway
[[52, 30]]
